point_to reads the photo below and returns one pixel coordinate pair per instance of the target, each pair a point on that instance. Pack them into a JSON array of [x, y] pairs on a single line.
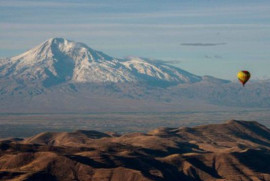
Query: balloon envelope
[[243, 76]]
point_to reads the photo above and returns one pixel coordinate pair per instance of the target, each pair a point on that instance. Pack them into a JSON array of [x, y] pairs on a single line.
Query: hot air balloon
[[243, 77]]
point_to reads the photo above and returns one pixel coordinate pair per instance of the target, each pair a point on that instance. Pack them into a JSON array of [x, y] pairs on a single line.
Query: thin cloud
[[124, 25], [168, 61], [203, 44], [47, 4], [213, 57]]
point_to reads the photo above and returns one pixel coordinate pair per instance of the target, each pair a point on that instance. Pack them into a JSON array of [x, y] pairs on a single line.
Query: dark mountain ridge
[[235, 150]]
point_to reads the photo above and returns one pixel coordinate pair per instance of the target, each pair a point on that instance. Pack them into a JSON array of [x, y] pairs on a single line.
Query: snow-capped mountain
[[59, 60], [64, 76]]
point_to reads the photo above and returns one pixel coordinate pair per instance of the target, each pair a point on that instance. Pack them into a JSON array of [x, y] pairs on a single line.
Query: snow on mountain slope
[[59, 60], [159, 71]]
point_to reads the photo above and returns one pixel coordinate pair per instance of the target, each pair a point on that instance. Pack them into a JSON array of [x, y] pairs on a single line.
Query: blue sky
[[214, 37]]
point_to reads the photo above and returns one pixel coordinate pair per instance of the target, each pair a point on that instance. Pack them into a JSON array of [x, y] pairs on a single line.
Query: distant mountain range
[[235, 150], [58, 60], [64, 76]]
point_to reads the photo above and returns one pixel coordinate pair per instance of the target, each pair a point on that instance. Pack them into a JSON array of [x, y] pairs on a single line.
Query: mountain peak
[[59, 60], [60, 39], [65, 45], [54, 47]]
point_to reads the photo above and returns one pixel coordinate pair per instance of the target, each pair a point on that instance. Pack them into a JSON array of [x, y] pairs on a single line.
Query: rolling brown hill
[[233, 151]]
